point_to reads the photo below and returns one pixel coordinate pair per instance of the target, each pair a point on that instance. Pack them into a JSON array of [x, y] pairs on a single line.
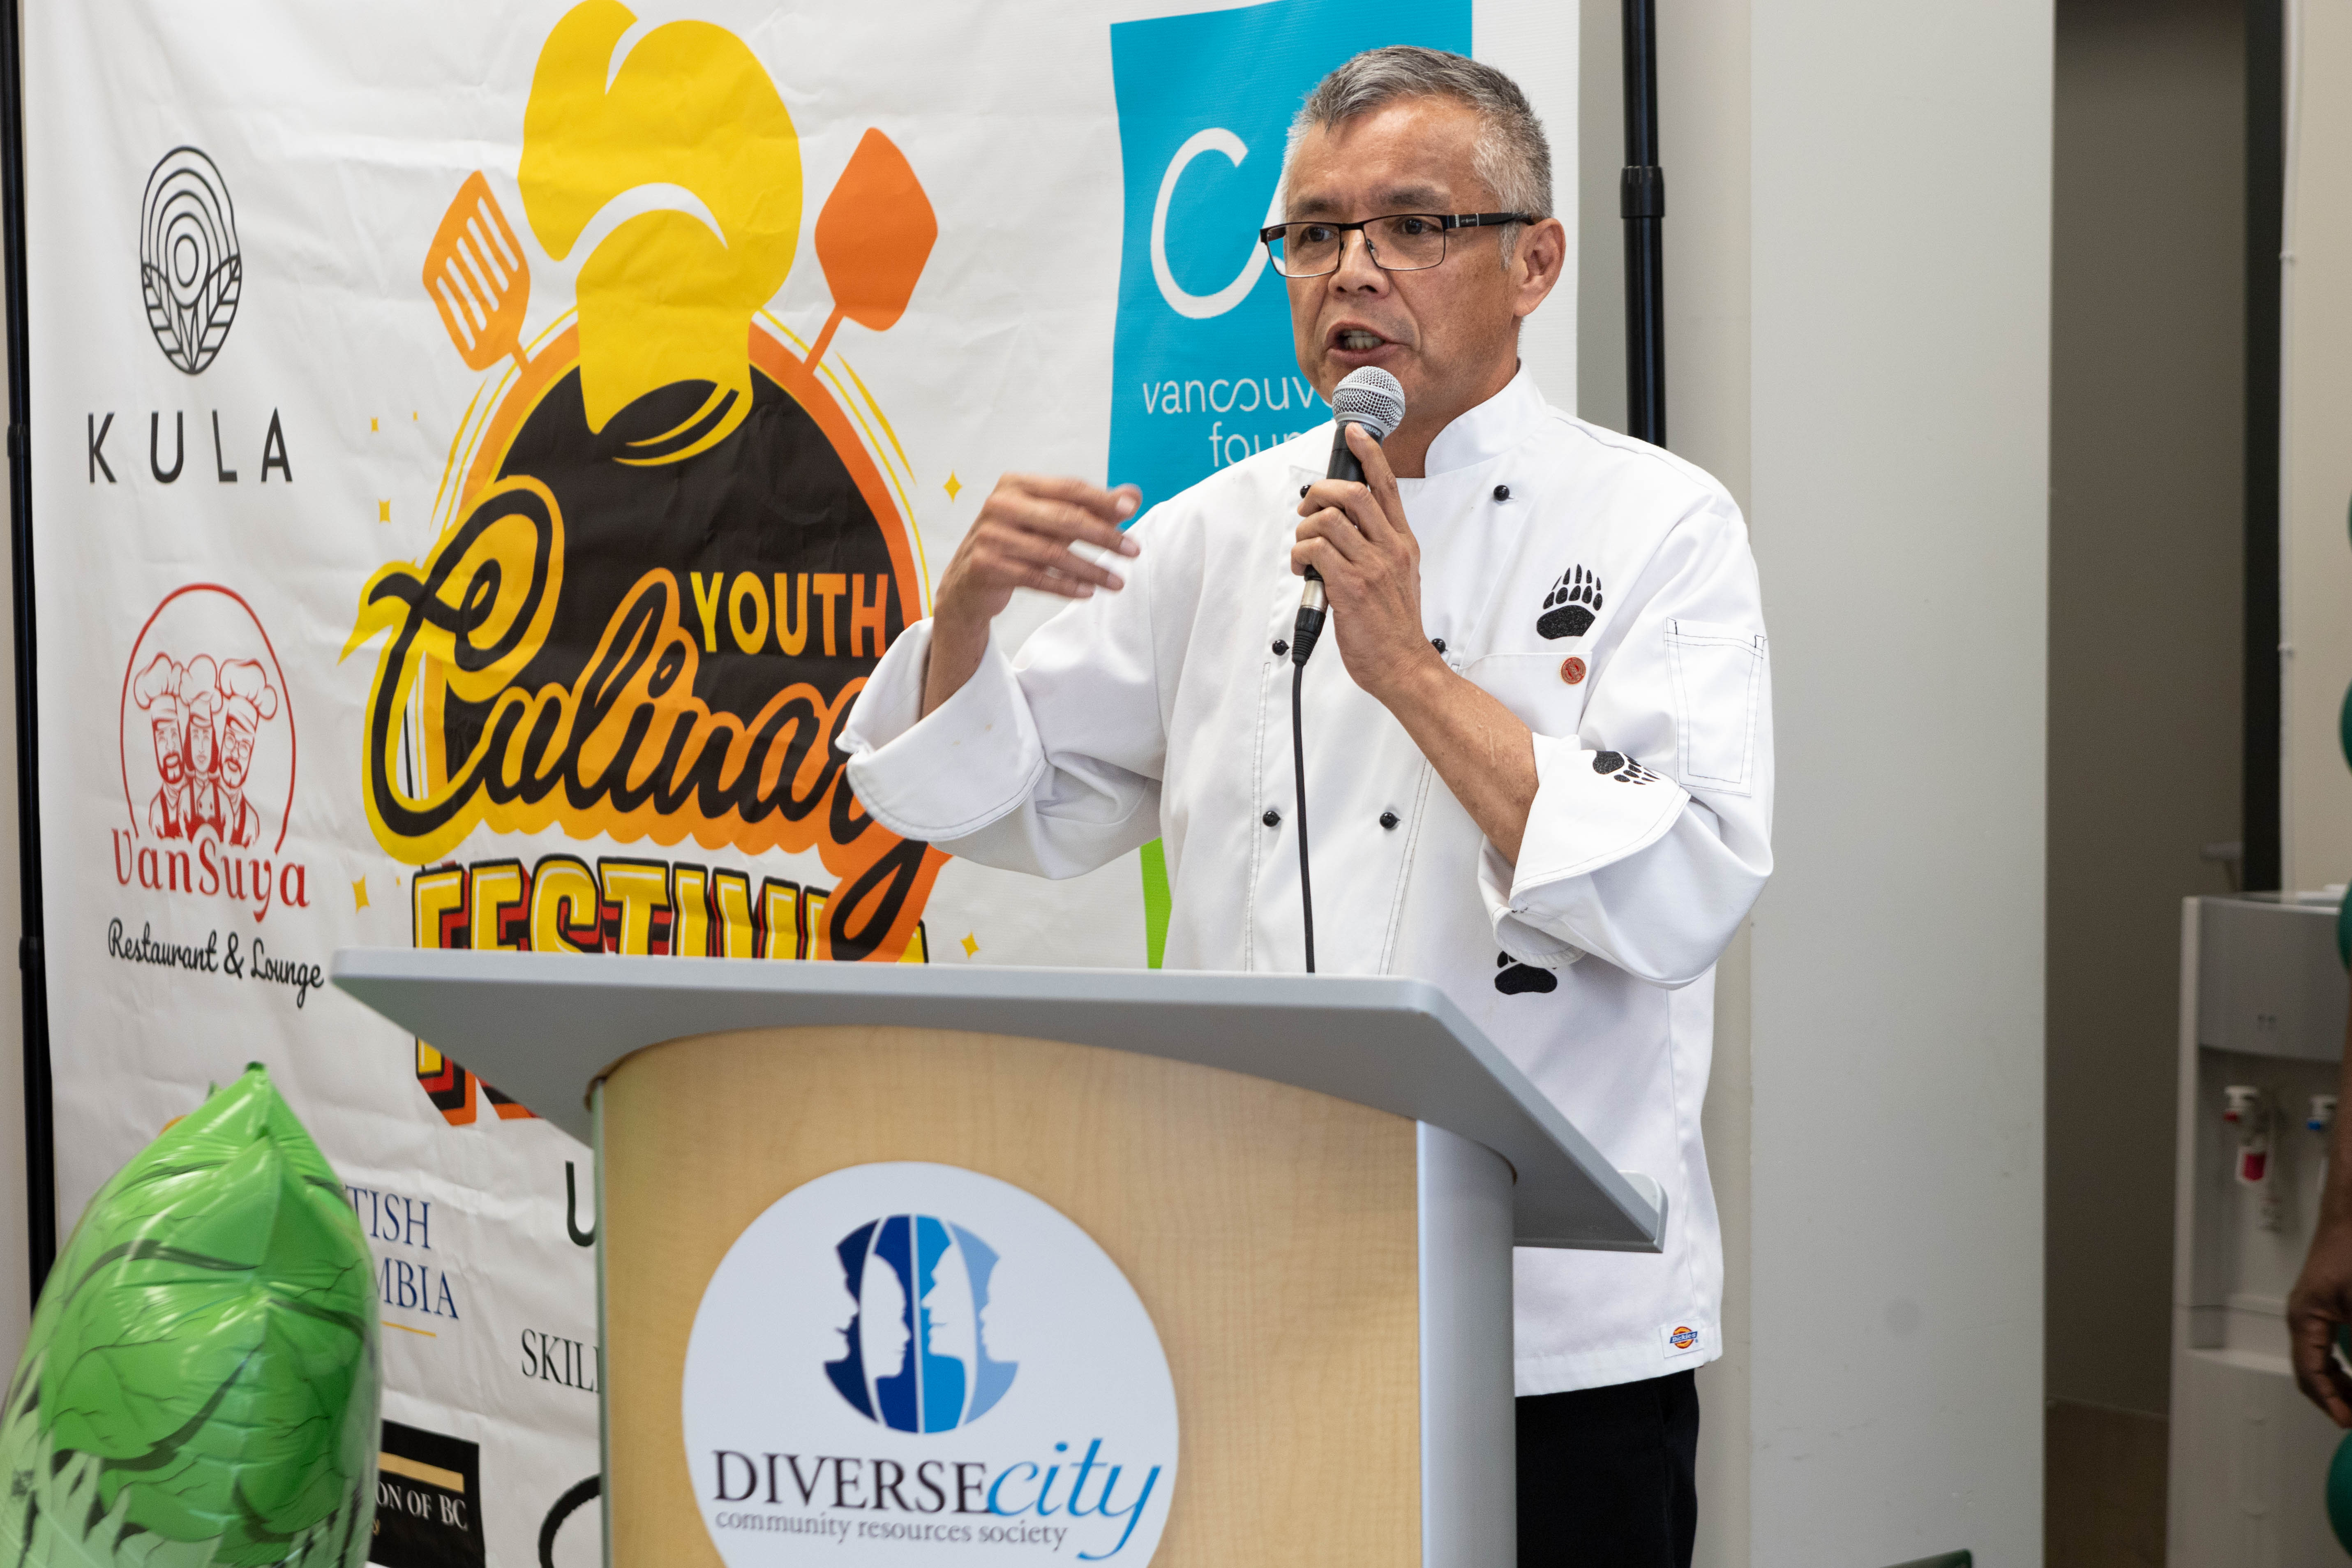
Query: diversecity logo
[[868, 1381], [1202, 369], [916, 1357], [190, 269]]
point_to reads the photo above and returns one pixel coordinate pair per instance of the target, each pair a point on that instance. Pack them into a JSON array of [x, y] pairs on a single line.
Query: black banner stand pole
[[2260, 868], [40, 1161], [1642, 202]]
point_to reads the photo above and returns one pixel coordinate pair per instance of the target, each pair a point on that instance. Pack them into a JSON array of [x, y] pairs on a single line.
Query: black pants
[[1605, 1476]]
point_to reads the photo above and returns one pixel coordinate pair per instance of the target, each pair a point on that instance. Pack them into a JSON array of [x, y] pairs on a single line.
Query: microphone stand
[[1642, 203]]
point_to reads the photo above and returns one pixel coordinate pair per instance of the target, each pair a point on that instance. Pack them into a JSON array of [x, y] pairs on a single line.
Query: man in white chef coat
[[1539, 758]]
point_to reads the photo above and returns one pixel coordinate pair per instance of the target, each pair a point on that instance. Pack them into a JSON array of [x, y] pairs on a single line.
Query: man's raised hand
[[1022, 539]]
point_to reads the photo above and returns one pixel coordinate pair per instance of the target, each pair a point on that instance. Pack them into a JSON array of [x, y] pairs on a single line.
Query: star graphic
[[953, 486], [359, 895], [970, 944]]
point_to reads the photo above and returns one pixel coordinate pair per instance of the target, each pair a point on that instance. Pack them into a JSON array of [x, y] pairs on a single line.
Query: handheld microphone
[[1373, 398], [1369, 397]]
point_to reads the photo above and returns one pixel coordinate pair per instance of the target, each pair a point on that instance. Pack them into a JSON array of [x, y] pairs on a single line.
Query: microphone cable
[[1303, 635], [1368, 396]]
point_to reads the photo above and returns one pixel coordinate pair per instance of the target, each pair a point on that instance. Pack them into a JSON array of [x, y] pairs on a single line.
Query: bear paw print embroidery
[[1569, 607], [1513, 978], [1622, 768]]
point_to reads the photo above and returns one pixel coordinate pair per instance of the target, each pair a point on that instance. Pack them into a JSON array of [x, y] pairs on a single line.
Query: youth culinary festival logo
[[868, 1381], [673, 537]]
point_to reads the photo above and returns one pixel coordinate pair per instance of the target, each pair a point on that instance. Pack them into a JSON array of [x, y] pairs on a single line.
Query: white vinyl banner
[[478, 452]]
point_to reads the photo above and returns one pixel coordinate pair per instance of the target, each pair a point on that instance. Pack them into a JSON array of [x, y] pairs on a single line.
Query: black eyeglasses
[[1405, 242]]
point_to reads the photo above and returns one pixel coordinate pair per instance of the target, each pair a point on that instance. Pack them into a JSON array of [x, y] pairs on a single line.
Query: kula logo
[[916, 1357], [190, 269]]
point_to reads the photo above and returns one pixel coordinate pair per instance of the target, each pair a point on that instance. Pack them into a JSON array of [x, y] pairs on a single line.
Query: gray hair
[[1512, 155]]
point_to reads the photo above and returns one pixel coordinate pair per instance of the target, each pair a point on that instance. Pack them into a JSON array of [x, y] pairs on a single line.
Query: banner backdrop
[[478, 452]]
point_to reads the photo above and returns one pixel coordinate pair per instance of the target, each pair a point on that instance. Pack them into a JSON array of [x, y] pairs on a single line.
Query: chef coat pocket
[[1718, 672]]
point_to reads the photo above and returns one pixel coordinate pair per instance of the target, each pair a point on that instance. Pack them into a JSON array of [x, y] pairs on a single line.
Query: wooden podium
[[1252, 1152]]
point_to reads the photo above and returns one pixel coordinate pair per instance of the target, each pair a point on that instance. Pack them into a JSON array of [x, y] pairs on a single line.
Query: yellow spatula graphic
[[475, 274]]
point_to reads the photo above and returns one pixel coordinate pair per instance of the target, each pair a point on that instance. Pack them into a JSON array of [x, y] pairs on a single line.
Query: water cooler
[[2262, 1010]]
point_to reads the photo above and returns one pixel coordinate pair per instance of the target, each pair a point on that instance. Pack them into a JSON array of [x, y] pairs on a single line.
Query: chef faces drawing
[[203, 719]]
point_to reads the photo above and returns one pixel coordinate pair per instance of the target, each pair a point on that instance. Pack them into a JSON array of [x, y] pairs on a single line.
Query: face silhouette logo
[[190, 269], [915, 1353]]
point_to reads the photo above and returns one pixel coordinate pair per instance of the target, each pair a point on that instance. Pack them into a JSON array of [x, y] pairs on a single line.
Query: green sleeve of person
[[200, 1384]]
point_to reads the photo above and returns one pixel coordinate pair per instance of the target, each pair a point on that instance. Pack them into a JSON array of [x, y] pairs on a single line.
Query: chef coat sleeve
[[1047, 762], [1650, 836]]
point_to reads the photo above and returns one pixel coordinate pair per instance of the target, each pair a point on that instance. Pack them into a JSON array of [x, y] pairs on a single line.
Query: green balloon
[[201, 1382], [2344, 727], [2340, 1493]]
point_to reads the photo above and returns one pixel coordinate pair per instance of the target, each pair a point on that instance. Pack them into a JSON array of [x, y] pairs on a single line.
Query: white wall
[[1900, 288], [1857, 254], [2315, 566]]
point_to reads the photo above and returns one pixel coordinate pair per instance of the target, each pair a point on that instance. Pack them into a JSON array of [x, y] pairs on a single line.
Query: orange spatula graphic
[[871, 238], [477, 277]]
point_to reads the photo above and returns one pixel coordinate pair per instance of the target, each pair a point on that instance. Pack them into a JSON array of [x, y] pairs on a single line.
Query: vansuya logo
[[189, 266]]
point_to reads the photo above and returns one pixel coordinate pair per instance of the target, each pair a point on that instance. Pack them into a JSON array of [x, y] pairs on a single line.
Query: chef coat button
[[1388, 820], [1280, 647], [1302, 491], [1502, 492], [1437, 642], [1571, 669], [1271, 818]]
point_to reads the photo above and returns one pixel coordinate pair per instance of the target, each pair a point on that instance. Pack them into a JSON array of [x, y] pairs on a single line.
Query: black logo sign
[[189, 267], [427, 1502]]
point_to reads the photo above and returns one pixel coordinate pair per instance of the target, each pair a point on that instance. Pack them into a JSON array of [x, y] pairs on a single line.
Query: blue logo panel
[[925, 1281], [1202, 373]]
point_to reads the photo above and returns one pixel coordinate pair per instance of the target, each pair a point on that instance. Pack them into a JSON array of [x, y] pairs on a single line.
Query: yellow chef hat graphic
[[663, 298]]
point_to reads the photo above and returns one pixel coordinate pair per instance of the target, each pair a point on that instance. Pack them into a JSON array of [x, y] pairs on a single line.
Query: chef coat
[[1604, 591]]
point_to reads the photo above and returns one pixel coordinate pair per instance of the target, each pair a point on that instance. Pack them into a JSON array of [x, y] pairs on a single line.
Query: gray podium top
[[544, 1027]]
